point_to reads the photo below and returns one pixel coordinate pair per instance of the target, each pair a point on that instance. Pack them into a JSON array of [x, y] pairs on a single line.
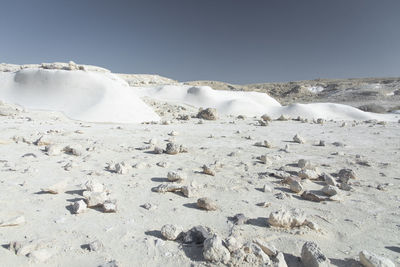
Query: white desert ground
[[100, 169]]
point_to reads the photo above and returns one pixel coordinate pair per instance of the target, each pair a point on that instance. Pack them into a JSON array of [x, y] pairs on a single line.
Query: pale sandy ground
[[365, 218]]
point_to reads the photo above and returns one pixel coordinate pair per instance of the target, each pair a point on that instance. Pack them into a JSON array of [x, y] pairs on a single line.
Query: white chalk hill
[[80, 95], [255, 104], [89, 93]]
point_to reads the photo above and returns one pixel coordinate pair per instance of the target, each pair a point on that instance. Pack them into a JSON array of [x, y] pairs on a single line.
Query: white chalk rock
[[329, 180], [346, 174], [298, 139], [109, 206], [207, 114], [190, 191], [172, 149], [206, 204], [78, 207], [121, 168], [94, 199], [330, 190], [170, 231], [95, 245], [368, 259], [308, 174], [164, 188], [214, 250], [53, 150], [207, 170], [268, 249], [56, 188], [267, 189], [75, 150], [312, 256], [287, 218], [233, 244], [94, 186], [178, 177], [304, 164], [295, 186]]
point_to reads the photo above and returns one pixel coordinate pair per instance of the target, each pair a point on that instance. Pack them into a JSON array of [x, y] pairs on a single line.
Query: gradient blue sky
[[236, 41]]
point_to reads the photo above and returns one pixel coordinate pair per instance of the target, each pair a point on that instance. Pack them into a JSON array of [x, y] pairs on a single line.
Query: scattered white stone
[[172, 149], [346, 174], [262, 123], [287, 218], [256, 255], [232, 244], [164, 188], [207, 170], [298, 139], [308, 174], [265, 117], [162, 164], [206, 204], [329, 180], [207, 114], [345, 187], [121, 168], [170, 231], [368, 259], [214, 250], [295, 186], [173, 133], [94, 186], [307, 195], [56, 188], [95, 245], [265, 159], [53, 150], [312, 256], [283, 118], [268, 249], [148, 206], [304, 164], [267, 189], [178, 177], [158, 150], [78, 207], [109, 206], [190, 191], [330, 190], [15, 221], [94, 199], [75, 150]]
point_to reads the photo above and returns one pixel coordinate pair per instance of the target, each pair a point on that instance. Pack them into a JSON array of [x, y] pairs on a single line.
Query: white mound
[[81, 95], [226, 102], [255, 104]]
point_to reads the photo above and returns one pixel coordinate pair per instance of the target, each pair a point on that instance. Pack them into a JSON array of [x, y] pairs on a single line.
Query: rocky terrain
[[197, 188]]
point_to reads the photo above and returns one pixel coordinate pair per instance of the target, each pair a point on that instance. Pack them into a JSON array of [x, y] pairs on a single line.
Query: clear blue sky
[[239, 41]]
